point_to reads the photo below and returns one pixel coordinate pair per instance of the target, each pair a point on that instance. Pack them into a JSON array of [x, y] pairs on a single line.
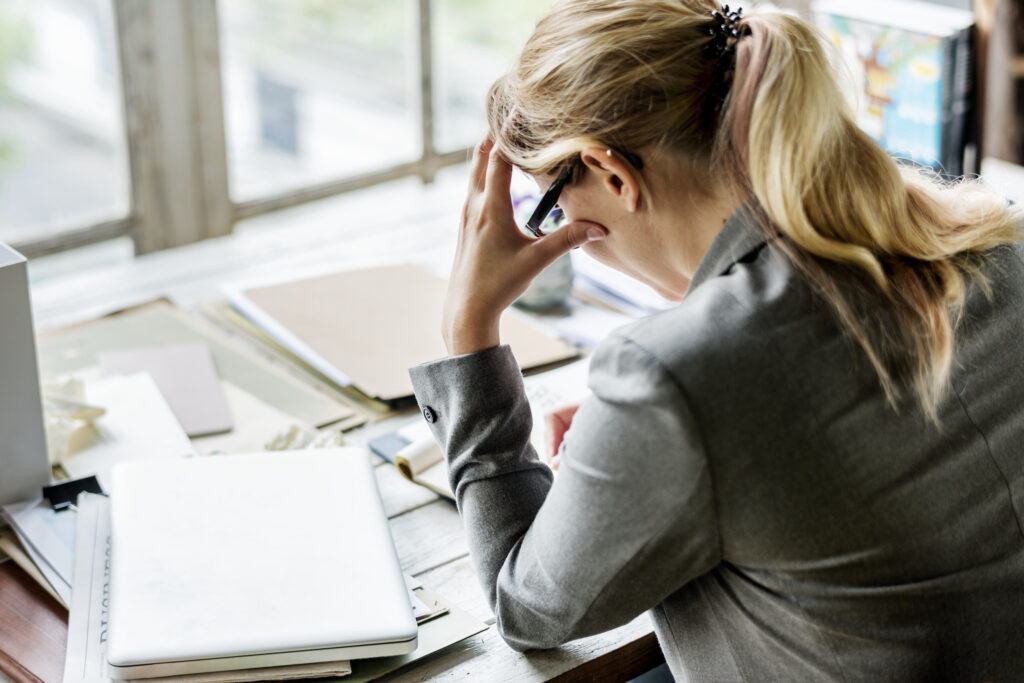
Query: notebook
[[366, 327], [243, 561]]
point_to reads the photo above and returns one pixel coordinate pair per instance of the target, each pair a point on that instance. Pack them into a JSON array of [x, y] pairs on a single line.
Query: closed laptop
[[240, 561]]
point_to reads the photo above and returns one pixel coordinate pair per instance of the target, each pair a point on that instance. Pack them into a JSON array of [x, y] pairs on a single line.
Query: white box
[[24, 465]]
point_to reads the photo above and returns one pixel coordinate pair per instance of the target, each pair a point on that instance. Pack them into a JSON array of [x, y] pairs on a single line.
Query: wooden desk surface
[[347, 232]]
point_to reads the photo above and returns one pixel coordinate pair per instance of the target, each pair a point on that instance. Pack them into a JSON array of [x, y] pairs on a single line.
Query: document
[[48, 538], [263, 422], [138, 424], [186, 376], [76, 348], [11, 549]]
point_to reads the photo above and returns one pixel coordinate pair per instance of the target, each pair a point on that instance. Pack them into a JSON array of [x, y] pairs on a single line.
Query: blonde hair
[[633, 75]]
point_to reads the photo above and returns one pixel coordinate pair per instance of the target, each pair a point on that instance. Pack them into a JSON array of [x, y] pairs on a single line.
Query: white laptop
[[239, 561]]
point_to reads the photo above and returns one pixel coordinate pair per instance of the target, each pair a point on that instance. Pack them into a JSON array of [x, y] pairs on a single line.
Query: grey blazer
[[739, 473]]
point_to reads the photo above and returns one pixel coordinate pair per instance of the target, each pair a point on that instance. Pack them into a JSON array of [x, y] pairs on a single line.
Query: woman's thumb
[[570, 236]]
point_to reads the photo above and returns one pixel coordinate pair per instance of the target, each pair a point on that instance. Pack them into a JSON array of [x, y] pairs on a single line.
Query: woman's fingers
[[478, 170], [499, 178]]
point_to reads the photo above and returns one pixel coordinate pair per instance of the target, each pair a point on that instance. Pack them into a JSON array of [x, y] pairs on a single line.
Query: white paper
[[262, 423], [48, 538], [85, 660], [187, 378], [552, 390], [138, 424]]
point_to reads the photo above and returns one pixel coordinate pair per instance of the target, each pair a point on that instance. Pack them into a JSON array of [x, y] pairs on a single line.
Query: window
[[231, 108], [315, 90], [63, 161]]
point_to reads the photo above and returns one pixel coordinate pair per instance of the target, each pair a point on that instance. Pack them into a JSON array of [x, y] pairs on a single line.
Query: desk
[[427, 531]]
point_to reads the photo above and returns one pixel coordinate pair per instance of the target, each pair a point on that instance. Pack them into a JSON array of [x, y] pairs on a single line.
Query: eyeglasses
[[547, 217]]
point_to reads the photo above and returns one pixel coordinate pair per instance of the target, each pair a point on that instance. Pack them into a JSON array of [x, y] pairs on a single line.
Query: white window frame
[[170, 60]]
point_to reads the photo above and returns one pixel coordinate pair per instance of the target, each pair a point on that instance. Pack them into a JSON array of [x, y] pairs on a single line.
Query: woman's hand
[[494, 261]]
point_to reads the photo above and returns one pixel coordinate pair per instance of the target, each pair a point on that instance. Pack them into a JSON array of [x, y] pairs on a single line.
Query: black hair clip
[[724, 31]]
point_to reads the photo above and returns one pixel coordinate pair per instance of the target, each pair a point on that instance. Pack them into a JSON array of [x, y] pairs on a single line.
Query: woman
[[813, 467]]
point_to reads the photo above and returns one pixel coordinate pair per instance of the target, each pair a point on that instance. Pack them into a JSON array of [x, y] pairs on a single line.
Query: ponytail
[[840, 204]]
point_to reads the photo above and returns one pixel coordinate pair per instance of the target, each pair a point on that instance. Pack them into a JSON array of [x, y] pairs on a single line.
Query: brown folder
[[370, 325]]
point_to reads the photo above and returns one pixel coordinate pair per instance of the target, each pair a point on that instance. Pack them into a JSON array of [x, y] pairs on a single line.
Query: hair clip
[[724, 31]]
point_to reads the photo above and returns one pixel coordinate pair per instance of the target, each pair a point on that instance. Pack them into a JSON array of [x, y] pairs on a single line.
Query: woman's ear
[[614, 175]]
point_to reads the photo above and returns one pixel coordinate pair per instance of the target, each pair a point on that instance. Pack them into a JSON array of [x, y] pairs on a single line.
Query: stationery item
[[185, 375], [76, 348], [245, 561], [413, 450], [14, 551], [48, 538], [63, 495], [367, 327], [23, 460], [434, 635], [913, 66], [138, 424], [263, 424]]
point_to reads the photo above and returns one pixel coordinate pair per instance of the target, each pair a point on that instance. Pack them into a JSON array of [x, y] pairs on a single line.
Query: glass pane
[[62, 150], [476, 41], [315, 90]]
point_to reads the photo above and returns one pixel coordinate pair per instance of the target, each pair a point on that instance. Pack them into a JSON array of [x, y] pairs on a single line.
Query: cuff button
[[429, 415]]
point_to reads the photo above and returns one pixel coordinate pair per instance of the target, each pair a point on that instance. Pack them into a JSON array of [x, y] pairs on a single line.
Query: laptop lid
[[238, 561]]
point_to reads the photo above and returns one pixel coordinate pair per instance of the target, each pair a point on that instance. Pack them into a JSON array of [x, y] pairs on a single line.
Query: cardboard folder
[[367, 327]]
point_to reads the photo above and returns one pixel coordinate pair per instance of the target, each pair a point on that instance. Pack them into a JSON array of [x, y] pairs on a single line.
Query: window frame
[[172, 96]]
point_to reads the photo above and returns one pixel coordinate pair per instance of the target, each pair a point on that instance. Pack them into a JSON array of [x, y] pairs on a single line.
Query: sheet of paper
[[434, 635], [46, 534], [186, 376], [554, 389], [258, 422], [75, 348], [138, 424], [86, 662], [14, 551]]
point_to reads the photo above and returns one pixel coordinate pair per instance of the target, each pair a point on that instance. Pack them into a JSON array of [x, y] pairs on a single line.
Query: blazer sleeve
[[627, 521]]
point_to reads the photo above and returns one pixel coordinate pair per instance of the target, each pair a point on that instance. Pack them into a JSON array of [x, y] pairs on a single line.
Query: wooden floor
[[399, 222]]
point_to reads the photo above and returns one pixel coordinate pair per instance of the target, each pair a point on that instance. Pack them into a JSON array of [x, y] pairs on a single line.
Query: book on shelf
[[913, 68]]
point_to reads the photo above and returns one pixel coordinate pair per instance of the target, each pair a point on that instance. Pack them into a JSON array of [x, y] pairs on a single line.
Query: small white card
[[186, 376], [138, 424]]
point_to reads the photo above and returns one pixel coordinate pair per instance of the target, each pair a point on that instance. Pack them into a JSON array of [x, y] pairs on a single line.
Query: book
[[417, 456], [366, 327], [913, 68]]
